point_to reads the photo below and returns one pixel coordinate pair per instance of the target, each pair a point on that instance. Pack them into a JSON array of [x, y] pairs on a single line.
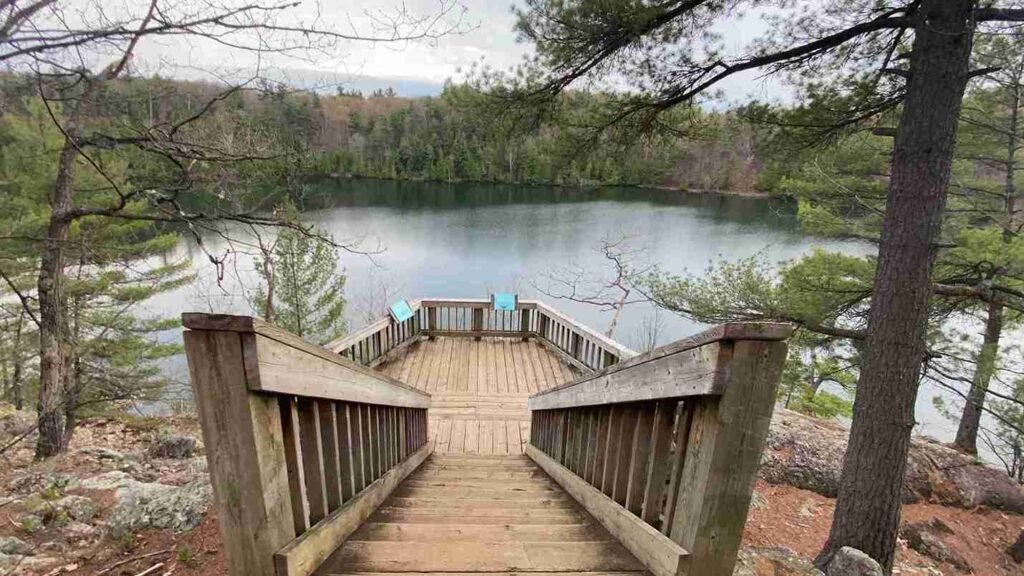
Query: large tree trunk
[[53, 309], [867, 511], [970, 421]]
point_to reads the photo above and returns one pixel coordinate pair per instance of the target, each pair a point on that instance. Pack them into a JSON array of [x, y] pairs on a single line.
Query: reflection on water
[[468, 240]]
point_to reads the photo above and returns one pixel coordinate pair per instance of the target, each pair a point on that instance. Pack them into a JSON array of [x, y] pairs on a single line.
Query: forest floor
[[110, 507]]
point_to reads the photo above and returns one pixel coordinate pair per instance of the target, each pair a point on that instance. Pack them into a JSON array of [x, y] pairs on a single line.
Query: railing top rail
[[622, 351], [258, 363], [688, 367], [377, 325], [605, 341]]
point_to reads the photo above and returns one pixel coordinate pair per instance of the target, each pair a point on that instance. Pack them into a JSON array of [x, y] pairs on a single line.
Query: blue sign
[[401, 311], [504, 301]]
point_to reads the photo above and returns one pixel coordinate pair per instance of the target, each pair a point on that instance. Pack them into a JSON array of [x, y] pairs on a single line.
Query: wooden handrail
[[663, 448], [302, 444]]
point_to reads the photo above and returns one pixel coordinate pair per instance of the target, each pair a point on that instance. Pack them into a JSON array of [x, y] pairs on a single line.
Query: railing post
[[245, 451], [478, 320], [727, 435], [431, 319]]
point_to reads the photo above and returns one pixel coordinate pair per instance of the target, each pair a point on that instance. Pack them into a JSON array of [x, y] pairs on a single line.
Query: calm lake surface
[[469, 240]]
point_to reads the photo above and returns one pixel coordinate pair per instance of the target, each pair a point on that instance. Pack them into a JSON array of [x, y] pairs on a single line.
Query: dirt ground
[[800, 520], [785, 517]]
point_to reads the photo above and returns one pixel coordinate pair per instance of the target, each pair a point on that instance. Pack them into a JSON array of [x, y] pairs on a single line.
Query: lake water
[[469, 240]]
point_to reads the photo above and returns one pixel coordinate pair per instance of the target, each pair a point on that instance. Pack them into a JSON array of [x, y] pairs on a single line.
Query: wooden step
[[487, 516], [448, 494], [508, 466], [528, 485], [463, 505], [384, 531], [622, 573], [478, 474], [481, 557]]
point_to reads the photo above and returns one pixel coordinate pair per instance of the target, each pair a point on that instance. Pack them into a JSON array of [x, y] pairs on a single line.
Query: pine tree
[[302, 290]]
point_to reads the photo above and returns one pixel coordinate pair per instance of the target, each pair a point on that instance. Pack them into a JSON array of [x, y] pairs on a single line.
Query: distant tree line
[[454, 137]]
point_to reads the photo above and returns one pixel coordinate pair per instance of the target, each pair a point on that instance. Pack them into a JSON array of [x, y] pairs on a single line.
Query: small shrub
[[186, 555], [126, 541]]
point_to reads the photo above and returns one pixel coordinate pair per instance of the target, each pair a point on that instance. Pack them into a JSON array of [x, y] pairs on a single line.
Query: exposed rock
[[1016, 550], [765, 561], [107, 481], [80, 508], [30, 482], [12, 545], [919, 537], [80, 533], [152, 505], [852, 562], [30, 523], [18, 564], [102, 453], [173, 447], [808, 453]]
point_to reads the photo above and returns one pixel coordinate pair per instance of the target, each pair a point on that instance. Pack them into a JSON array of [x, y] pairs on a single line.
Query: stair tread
[[482, 557]]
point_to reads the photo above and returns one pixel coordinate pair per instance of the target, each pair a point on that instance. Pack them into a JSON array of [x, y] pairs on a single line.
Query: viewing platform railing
[[663, 448], [303, 445], [574, 342]]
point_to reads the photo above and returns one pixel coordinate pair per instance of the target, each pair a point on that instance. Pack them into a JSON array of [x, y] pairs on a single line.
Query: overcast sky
[[412, 68]]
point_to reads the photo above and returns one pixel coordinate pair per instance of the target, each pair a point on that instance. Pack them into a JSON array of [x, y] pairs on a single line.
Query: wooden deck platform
[[464, 513], [479, 389]]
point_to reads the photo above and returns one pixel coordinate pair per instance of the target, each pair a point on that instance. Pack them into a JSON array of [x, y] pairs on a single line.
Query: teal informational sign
[[504, 301], [401, 311]]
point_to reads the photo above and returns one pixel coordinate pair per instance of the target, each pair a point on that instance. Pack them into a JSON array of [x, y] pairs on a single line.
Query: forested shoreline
[[453, 137]]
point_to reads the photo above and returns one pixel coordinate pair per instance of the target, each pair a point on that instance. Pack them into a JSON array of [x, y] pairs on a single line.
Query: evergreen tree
[[302, 290]]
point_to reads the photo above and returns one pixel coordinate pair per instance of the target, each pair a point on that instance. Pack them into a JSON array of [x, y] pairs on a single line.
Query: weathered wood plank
[[638, 464], [284, 369], [482, 557], [693, 372], [658, 553], [303, 556], [768, 331], [726, 439], [245, 453], [659, 464]]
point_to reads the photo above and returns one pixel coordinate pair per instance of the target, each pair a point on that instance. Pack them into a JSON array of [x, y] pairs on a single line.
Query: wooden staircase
[[470, 440], [464, 513]]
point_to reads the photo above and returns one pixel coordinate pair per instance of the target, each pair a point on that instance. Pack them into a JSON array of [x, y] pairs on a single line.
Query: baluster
[[346, 450], [331, 455], [640, 452], [293, 457], [681, 436], [660, 462], [312, 458]]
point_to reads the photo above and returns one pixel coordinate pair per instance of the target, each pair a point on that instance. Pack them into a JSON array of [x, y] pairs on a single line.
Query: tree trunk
[[53, 307], [970, 421], [867, 513], [617, 312], [17, 387]]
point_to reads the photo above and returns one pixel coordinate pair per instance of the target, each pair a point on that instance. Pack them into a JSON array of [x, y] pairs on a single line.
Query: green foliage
[[306, 290], [112, 266]]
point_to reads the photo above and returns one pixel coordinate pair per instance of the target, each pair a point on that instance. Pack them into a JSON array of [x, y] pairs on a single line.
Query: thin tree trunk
[[618, 311], [867, 513], [18, 370], [970, 421], [53, 304]]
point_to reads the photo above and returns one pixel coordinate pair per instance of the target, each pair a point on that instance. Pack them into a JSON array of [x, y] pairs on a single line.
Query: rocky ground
[[132, 497]]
